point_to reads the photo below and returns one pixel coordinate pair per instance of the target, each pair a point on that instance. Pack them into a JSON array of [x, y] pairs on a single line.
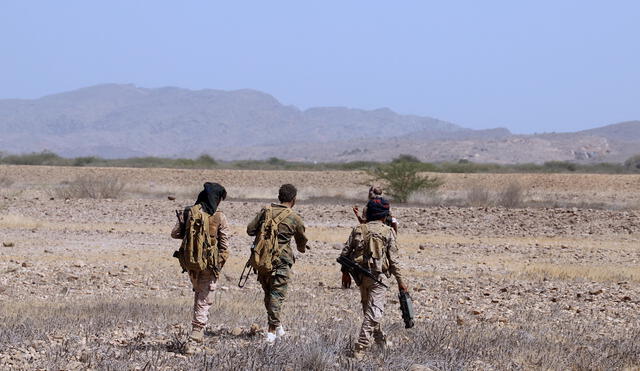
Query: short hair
[[287, 193]]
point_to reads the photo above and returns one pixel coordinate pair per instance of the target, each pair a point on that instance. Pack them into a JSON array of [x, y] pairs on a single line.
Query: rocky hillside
[[124, 120]]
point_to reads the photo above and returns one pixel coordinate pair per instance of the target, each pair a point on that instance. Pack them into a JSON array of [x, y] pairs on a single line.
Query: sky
[[530, 66]]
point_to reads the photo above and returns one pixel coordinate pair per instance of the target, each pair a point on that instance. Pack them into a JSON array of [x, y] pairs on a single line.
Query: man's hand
[[346, 280], [403, 287], [356, 210]]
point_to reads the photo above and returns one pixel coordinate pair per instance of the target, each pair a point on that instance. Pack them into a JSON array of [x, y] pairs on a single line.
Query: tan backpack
[[198, 251], [372, 254], [267, 250]]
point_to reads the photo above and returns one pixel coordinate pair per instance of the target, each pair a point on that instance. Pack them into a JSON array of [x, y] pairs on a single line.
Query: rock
[[79, 264], [171, 198], [8, 244], [25, 265], [237, 331], [595, 292], [255, 328], [422, 247], [337, 246]]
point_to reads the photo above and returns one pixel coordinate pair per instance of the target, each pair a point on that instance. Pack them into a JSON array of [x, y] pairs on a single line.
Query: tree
[[402, 178], [633, 163]]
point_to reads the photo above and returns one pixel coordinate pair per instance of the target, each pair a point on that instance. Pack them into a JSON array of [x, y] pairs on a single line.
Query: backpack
[[266, 253], [372, 254], [198, 250]]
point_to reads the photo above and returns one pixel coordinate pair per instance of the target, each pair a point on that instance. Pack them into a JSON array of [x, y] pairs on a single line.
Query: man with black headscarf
[[204, 282], [375, 192], [373, 246]]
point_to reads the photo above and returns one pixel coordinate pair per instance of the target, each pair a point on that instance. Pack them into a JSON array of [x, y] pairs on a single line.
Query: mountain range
[[117, 121]]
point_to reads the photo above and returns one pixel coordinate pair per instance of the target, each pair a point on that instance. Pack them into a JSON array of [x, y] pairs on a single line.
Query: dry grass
[[95, 187], [511, 196], [149, 334], [19, 222], [5, 182], [590, 272], [478, 196]]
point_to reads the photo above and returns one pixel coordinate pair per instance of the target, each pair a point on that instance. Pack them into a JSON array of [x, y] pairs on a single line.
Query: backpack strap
[[281, 217], [274, 225]]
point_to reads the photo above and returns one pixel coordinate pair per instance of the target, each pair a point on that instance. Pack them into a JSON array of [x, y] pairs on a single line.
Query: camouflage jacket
[[291, 226], [356, 243]]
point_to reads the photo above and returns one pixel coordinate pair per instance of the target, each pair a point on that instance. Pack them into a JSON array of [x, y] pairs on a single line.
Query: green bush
[[402, 179], [633, 164], [36, 158]]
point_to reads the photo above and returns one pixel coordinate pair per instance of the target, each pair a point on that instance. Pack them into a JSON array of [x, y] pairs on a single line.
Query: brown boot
[[197, 335], [358, 352]]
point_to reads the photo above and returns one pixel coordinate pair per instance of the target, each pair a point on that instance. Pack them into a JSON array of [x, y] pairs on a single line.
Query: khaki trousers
[[372, 296], [204, 285]]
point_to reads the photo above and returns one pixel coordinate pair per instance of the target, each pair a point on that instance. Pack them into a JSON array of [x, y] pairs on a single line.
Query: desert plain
[[91, 283]]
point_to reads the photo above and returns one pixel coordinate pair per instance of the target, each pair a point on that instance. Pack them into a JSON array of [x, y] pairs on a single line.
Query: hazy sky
[[530, 66]]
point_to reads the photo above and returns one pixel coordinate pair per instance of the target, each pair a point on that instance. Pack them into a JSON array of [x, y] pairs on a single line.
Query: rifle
[[244, 277], [355, 270], [406, 306]]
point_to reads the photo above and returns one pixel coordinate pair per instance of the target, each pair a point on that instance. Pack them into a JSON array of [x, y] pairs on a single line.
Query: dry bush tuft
[[142, 334], [5, 182], [478, 195], [91, 187], [512, 196]]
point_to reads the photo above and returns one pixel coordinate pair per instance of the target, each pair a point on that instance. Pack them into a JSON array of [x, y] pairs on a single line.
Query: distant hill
[[124, 120]]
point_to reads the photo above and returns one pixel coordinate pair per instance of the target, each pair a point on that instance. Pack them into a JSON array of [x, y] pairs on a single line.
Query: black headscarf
[[377, 208], [210, 197]]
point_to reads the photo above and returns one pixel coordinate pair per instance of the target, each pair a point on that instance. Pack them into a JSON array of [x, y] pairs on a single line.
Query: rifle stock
[[355, 269], [246, 271]]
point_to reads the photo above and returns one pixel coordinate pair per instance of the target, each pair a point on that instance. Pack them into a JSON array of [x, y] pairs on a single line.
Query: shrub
[[41, 158], [511, 196], [559, 166], [633, 163], [91, 187], [406, 158], [206, 160], [402, 179], [477, 195], [85, 161], [5, 182]]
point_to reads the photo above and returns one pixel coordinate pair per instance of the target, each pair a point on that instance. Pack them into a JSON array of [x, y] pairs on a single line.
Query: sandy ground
[[573, 273]]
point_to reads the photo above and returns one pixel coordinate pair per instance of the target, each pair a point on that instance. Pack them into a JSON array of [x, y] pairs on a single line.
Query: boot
[[358, 352], [197, 335]]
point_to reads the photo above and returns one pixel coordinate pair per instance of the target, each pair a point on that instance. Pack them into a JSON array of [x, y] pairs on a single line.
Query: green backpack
[[198, 251], [267, 250]]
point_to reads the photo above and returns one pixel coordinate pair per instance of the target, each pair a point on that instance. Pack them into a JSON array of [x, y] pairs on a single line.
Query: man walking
[[212, 247], [285, 224], [372, 245]]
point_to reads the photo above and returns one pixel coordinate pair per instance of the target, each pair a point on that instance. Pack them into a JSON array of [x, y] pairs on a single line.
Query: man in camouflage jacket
[[372, 293], [275, 283]]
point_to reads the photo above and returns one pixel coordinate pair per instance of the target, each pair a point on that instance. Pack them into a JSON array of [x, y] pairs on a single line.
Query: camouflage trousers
[[204, 285], [372, 295], [275, 292]]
